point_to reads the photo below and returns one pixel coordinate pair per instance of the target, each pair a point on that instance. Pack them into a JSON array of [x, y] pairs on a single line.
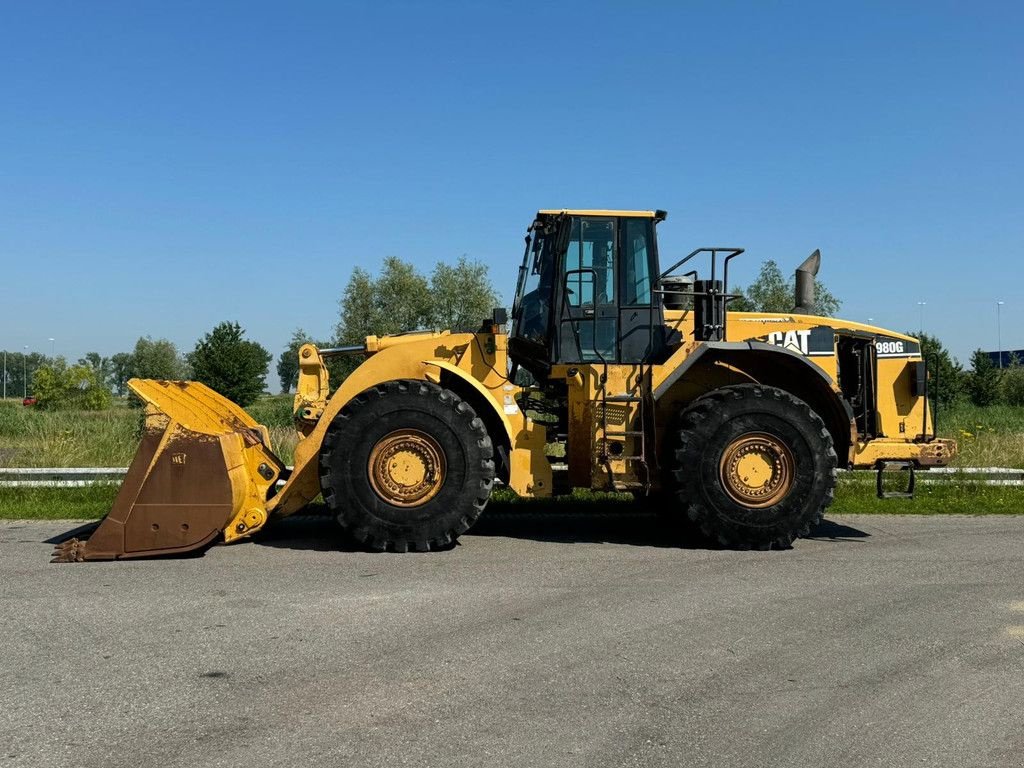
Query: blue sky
[[167, 166]]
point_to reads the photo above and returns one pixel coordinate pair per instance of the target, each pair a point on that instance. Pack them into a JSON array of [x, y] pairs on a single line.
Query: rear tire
[[406, 465], [754, 466]]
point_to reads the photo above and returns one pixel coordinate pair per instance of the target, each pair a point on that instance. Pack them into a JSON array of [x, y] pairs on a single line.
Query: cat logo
[[792, 340], [178, 458]]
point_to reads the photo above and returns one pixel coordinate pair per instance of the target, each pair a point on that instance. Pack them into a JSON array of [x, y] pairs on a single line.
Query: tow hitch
[[880, 480]]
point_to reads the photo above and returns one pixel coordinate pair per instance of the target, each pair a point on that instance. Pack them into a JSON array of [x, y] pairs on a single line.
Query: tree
[[230, 364], [122, 366], [982, 383], [771, 292], [20, 366], [403, 299], [947, 374], [457, 297], [396, 301], [58, 385], [358, 309], [157, 359], [461, 295], [101, 365], [288, 362]]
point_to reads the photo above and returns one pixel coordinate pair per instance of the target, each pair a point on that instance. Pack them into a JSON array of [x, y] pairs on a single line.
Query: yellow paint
[[467, 377], [596, 212], [900, 416], [529, 469], [937, 453], [754, 469], [245, 444], [895, 404], [406, 468], [312, 391], [599, 457], [398, 359], [412, 356]]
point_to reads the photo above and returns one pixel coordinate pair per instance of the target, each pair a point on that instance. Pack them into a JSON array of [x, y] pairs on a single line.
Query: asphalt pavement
[[586, 640]]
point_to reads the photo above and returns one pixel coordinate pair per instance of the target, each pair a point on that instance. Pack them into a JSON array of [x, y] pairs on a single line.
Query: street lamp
[[51, 347], [999, 330], [921, 304]]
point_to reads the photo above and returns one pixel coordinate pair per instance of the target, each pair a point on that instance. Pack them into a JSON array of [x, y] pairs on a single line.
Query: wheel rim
[[407, 468], [757, 470]]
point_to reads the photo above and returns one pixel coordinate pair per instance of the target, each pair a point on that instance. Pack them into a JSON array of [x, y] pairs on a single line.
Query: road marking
[[1014, 632], [1017, 606]]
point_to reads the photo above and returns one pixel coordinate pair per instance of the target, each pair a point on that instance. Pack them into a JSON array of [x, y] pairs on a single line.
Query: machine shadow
[[829, 530], [564, 521], [81, 530]]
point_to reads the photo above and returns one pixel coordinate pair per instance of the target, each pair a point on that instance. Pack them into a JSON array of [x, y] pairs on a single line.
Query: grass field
[[29, 437], [33, 438], [852, 496], [988, 437]]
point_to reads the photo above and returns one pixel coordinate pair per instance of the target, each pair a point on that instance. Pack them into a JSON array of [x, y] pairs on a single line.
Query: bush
[[948, 381], [274, 411], [983, 379], [1011, 386], [75, 387]]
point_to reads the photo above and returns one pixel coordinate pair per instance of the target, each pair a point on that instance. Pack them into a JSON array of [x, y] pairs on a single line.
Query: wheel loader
[[615, 373]]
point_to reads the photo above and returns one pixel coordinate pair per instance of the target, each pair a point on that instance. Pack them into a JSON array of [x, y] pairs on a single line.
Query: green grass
[[30, 437], [273, 411], [86, 503], [955, 497], [853, 496], [988, 437]]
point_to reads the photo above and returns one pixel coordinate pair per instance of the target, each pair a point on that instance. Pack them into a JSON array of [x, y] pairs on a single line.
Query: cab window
[[590, 263], [636, 262]]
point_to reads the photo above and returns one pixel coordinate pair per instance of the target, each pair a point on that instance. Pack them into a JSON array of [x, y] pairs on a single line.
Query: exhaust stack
[[804, 290]]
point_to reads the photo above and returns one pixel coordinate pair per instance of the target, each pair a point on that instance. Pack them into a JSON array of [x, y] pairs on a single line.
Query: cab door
[[641, 328], [588, 310], [607, 308]]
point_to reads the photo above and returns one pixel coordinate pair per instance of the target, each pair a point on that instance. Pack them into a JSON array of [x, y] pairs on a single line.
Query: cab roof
[[596, 212]]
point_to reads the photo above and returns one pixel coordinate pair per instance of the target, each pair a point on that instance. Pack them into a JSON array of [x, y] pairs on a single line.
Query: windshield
[[531, 313]]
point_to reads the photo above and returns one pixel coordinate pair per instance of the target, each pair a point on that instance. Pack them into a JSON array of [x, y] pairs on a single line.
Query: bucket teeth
[[70, 551]]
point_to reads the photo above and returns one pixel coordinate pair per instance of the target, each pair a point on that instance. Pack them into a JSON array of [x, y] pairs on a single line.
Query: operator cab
[[586, 291]]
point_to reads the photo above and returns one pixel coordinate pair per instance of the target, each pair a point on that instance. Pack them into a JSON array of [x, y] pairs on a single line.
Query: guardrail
[[63, 477], [77, 477], [59, 477]]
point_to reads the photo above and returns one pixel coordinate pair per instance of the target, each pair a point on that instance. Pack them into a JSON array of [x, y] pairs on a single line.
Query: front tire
[[754, 466], [406, 465]]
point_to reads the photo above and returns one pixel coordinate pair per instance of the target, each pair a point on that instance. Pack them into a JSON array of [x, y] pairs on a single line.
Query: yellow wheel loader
[[636, 377]]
